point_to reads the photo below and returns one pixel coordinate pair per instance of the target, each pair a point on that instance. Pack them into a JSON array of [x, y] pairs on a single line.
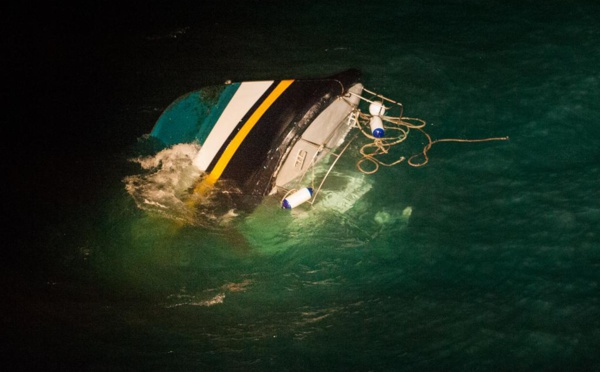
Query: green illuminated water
[[487, 258]]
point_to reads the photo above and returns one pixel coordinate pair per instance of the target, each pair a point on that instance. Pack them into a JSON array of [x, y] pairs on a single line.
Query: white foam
[[165, 180], [190, 301]]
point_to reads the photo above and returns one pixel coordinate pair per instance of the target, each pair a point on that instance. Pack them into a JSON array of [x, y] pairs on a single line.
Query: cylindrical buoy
[[297, 198], [377, 108], [376, 127]]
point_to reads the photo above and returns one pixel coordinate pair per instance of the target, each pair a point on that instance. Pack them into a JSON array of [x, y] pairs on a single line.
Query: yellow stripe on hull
[[235, 143]]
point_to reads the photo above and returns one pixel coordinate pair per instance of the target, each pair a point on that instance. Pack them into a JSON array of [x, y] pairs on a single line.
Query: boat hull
[[261, 135]]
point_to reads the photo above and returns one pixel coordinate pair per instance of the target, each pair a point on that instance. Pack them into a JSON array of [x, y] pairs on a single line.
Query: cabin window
[[300, 158]]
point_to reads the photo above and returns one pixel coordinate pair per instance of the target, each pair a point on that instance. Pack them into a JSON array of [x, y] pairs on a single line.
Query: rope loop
[[400, 126]]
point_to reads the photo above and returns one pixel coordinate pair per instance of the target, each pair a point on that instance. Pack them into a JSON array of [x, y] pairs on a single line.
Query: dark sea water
[[486, 258]]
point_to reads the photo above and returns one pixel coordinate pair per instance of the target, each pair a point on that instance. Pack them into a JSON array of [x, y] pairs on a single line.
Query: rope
[[381, 146]]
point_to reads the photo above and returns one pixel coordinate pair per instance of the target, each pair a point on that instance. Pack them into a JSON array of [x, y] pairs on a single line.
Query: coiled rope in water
[[402, 125]]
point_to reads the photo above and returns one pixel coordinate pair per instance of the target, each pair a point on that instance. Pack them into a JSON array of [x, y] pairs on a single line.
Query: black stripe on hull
[[240, 125], [265, 147]]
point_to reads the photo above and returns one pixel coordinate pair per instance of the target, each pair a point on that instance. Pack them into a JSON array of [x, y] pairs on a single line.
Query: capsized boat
[[261, 138], [262, 135]]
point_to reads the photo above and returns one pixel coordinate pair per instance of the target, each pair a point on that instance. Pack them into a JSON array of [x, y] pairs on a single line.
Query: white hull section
[[327, 131], [244, 98]]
